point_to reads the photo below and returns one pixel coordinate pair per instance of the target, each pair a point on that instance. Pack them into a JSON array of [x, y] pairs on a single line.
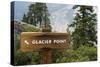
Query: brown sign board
[[31, 41]]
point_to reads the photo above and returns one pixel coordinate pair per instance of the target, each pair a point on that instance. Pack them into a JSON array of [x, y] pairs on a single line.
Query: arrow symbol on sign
[[26, 42]]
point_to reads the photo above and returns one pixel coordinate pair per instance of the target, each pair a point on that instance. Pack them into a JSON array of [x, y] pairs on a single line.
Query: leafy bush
[[16, 42], [22, 58], [83, 53], [91, 52], [35, 58], [56, 55]]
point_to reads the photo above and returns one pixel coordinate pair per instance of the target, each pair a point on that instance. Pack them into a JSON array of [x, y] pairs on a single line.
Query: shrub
[[22, 58], [83, 53]]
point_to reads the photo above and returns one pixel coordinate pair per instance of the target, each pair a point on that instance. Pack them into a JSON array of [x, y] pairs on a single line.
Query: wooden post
[[46, 53], [46, 56]]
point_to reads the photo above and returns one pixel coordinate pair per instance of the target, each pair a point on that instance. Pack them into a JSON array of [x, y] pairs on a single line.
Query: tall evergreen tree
[[84, 25], [24, 18], [38, 15]]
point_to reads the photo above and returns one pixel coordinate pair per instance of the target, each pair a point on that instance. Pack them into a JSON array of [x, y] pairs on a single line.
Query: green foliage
[[35, 58], [84, 24], [57, 55], [83, 53], [91, 52], [22, 58], [16, 42], [37, 15], [25, 18]]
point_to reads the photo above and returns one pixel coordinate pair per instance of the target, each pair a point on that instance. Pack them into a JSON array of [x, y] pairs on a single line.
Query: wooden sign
[[31, 41]]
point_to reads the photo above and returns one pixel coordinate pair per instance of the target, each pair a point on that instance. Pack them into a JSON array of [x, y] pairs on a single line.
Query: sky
[[60, 14]]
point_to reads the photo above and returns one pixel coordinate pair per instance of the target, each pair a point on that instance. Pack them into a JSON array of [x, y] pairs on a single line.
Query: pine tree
[[24, 18], [84, 25], [38, 15]]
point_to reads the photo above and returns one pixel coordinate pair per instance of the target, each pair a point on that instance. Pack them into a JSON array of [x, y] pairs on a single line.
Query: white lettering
[[60, 41], [41, 41], [45, 41]]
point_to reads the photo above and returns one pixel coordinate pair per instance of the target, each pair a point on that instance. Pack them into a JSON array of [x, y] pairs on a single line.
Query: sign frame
[[44, 36]]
